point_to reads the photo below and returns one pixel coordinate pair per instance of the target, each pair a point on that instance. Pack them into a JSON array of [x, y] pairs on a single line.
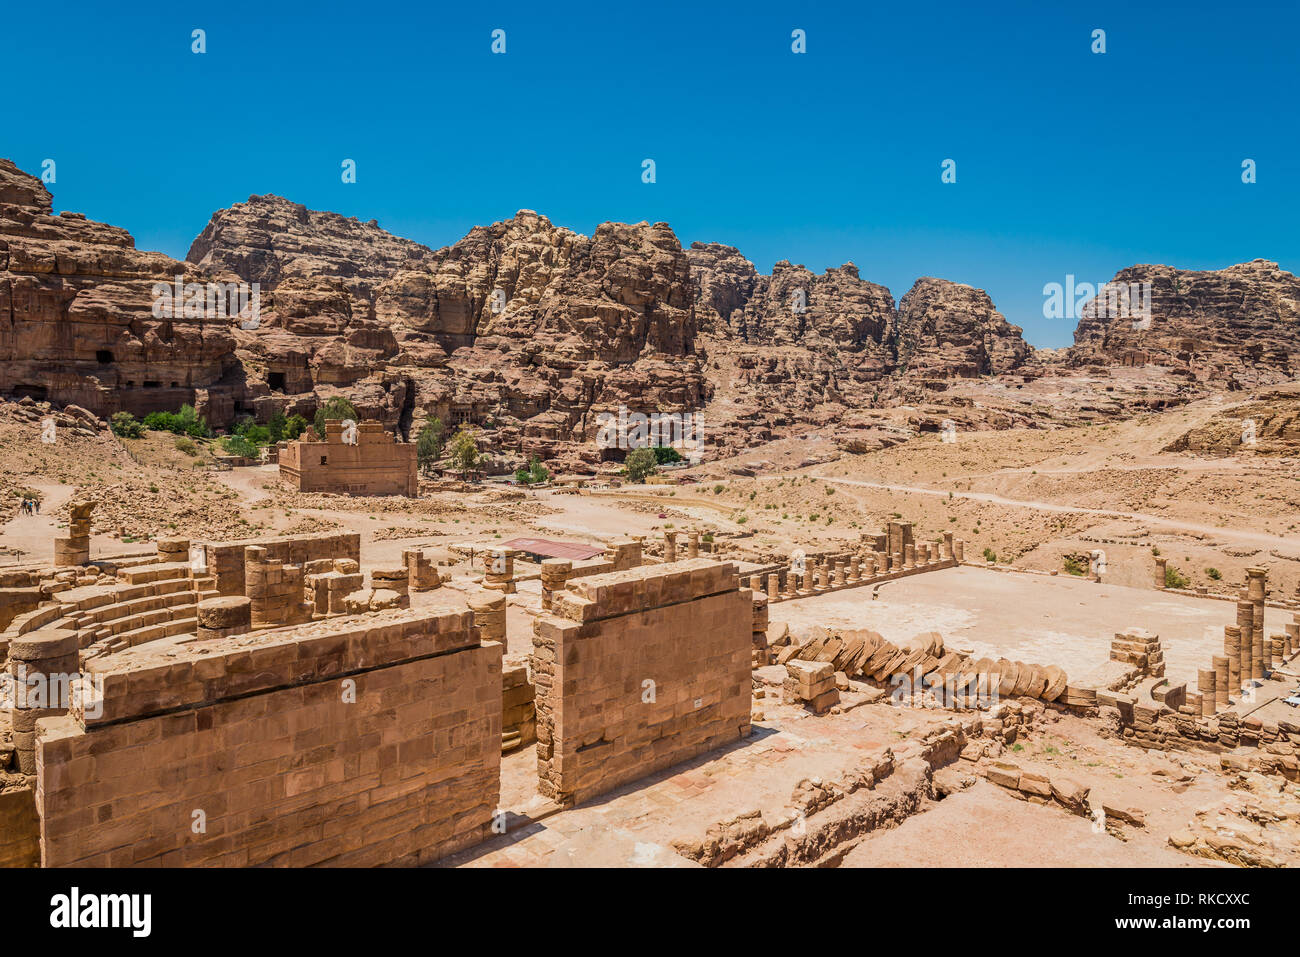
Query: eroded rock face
[[522, 326], [950, 330], [77, 321], [1237, 327], [269, 239], [530, 331]]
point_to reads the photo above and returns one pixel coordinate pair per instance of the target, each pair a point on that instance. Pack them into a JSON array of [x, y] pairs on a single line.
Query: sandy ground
[[986, 827], [1061, 620]]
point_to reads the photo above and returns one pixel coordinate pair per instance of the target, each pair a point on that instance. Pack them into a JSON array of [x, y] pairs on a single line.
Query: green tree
[[464, 450], [428, 444], [294, 426], [666, 454], [124, 424], [639, 464], [337, 407], [533, 473], [238, 445]]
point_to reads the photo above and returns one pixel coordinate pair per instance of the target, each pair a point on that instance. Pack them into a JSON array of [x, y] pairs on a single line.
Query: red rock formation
[[949, 330], [77, 321], [1237, 327]]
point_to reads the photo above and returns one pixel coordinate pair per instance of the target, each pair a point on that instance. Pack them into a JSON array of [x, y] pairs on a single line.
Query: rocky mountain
[[522, 326], [1233, 328], [948, 330], [79, 316], [531, 331]]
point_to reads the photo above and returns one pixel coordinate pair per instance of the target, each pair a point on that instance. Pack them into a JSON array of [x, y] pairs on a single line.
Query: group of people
[[31, 506]]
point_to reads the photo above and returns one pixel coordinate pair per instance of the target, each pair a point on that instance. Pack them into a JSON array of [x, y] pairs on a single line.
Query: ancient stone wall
[[225, 560], [20, 832], [375, 465], [639, 670], [351, 742]]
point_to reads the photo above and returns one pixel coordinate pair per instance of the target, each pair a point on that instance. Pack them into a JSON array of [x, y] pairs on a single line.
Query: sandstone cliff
[[530, 331], [947, 330], [1237, 327], [77, 322]]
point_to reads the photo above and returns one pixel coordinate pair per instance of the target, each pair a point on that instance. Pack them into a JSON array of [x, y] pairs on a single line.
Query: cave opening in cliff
[[275, 381], [103, 357], [37, 392]]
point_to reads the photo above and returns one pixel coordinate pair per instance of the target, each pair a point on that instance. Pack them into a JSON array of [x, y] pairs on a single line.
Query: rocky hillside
[[77, 317], [1234, 328], [530, 330]]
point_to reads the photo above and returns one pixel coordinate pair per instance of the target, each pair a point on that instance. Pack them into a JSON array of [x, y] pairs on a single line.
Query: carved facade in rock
[[79, 324]]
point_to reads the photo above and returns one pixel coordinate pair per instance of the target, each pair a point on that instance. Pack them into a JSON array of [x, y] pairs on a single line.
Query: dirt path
[[1228, 534], [33, 535]]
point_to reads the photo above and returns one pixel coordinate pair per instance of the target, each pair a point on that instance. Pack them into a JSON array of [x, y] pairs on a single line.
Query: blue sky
[[1068, 162]]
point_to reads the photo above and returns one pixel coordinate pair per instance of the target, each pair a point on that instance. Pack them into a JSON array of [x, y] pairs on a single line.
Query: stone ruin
[[369, 463], [380, 724]]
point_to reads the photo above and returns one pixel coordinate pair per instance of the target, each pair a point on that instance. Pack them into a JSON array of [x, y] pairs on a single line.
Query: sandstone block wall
[[639, 670], [20, 833], [225, 560], [375, 465], [354, 741]]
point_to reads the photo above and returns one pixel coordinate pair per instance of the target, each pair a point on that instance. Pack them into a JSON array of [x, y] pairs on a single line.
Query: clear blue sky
[[1067, 161]]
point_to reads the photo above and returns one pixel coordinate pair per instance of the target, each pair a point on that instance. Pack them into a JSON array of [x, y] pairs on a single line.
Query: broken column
[[421, 574], [1232, 651], [1246, 622], [555, 575], [396, 580], [275, 590], [959, 550], [43, 664], [670, 546], [1205, 684], [1161, 572], [74, 548], [489, 608], [759, 634], [499, 570], [947, 546], [1256, 590], [224, 616], [1222, 681], [773, 586], [173, 550], [693, 546]]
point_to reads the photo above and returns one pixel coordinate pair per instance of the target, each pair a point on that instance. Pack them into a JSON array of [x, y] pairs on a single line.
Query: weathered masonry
[[356, 741], [638, 670]]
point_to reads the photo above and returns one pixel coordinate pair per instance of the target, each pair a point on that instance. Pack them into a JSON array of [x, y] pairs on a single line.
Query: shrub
[[533, 473], [990, 555], [1214, 573], [184, 422], [337, 407], [1076, 565], [238, 445], [187, 446], [464, 450], [1174, 578], [125, 425], [640, 463], [428, 444]]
